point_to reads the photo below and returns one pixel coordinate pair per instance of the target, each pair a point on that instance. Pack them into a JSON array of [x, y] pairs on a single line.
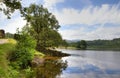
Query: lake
[[83, 64], [92, 64]]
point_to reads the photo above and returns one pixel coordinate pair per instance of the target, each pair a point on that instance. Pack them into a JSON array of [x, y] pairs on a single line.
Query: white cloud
[[10, 25], [105, 33], [90, 16], [51, 3], [100, 33], [72, 34], [2, 16], [14, 24], [28, 2]]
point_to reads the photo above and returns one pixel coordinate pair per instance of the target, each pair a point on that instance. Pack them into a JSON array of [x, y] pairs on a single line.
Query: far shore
[[97, 49]]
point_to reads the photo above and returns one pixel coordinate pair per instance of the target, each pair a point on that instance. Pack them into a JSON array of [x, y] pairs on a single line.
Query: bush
[[13, 73], [24, 51], [29, 73]]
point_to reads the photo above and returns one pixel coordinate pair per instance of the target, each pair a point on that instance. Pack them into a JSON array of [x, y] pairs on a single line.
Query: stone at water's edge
[[37, 61]]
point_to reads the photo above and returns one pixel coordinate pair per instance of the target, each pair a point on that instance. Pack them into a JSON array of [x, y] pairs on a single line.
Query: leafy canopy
[[9, 6], [42, 25]]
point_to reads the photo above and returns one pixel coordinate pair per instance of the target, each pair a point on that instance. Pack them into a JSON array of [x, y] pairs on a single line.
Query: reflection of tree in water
[[51, 69]]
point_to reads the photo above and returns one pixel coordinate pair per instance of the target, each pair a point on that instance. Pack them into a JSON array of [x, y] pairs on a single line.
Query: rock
[[37, 61]]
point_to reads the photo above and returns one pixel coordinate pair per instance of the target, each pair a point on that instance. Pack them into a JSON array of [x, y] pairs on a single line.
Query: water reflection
[[89, 68], [92, 64], [51, 68], [82, 64]]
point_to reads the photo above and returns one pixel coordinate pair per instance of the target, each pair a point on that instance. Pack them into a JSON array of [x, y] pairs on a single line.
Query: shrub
[[24, 51]]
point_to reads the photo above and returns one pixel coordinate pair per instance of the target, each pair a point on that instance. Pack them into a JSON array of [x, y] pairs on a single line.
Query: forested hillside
[[104, 44], [99, 44]]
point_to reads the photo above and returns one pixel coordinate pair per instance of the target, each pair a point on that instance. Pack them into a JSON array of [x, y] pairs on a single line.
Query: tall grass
[[5, 49]]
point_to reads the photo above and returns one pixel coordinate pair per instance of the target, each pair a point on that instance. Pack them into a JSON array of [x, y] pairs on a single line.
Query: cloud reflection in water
[[92, 64]]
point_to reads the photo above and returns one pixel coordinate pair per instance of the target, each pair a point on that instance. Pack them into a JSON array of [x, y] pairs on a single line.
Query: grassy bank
[[6, 69], [10, 69], [5, 49]]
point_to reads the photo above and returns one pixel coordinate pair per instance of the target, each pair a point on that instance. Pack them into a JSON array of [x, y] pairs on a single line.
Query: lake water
[[92, 64], [83, 64]]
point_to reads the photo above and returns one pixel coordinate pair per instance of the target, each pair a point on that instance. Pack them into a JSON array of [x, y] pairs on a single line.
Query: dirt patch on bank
[[2, 41]]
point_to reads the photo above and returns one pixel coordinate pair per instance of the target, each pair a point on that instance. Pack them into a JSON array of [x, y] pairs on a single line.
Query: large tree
[[43, 25]]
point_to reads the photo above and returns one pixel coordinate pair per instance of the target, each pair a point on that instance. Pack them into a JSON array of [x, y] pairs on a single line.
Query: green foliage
[[104, 44], [5, 50], [78, 45], [10, 6], [64, 43], [24, 51], [100, 44], [42, 25], [11, 69], [81, 44], [9, 35], [29, 73], [50, 38], [13, 73], [2, 72], [40, 54]]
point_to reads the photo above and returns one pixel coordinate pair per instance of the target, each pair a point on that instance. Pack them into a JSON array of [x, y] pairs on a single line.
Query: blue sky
[[79, 19]]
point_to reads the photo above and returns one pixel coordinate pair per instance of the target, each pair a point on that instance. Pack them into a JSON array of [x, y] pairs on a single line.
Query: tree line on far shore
[[113, 44]]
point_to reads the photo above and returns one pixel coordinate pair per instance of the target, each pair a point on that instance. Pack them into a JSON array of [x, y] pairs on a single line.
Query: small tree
[[81, 44]]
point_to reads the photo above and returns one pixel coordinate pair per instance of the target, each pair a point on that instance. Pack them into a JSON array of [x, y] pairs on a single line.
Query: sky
[[79, 19]]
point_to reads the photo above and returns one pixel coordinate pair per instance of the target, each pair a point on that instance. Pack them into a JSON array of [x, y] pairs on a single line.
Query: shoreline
[[73, 48]]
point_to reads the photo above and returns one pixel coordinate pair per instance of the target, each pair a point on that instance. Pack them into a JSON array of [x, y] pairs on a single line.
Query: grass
[[40, 54], [12, 41], [5, 70], [70, 48], [5, 49]]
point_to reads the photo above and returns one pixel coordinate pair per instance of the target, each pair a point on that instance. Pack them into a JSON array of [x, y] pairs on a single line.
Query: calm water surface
[[91, 64], [82, 64]]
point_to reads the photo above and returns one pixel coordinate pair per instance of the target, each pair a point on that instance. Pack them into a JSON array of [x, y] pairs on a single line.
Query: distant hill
[[72, 41]]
